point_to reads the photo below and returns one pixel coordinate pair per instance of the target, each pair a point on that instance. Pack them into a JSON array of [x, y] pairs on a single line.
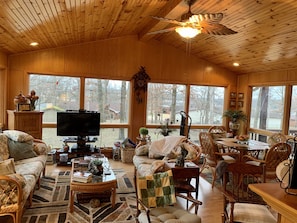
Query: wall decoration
[[232, 103], [240, 96], [240, 104], [140, 83], [233, 95]]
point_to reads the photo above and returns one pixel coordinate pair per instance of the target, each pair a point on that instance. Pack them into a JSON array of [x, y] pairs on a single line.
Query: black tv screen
[[75, 123]]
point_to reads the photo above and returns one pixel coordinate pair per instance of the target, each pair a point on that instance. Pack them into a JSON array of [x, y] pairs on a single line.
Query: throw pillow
[[142, 150], [21, 150], [156, 190], [7, 167], [18, 136], [4, 152]]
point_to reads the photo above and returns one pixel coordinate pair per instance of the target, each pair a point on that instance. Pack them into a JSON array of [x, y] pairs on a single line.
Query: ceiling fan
[[194, 24]]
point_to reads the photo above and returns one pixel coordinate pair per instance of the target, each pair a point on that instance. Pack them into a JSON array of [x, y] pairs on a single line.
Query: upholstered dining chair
[[213, 158], [156, 200]]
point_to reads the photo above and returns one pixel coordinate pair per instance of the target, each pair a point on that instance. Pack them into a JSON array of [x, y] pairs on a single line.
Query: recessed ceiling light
[[235, 64], [34, 44]]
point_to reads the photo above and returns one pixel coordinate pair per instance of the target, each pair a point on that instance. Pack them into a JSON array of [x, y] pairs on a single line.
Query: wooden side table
[[183, 176]]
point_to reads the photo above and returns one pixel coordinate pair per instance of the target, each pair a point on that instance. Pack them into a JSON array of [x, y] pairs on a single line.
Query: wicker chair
[[274, 156], [212, 156], [240, 203], [276, 138], [217, 131], [156, 198]]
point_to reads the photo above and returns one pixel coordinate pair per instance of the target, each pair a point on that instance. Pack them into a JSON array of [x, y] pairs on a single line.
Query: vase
[[100, 170], [234, 126]]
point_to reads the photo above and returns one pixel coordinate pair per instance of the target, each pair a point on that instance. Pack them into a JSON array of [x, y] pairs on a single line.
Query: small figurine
[[33, 98], [180, 161]]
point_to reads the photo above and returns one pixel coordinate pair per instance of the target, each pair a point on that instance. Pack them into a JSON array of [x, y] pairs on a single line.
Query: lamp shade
[[187, 32]]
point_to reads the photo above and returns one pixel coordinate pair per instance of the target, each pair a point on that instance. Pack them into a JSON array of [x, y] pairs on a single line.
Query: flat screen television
[[80, 124]]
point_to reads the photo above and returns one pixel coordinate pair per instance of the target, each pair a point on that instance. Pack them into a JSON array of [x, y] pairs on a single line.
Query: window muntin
[[267, 107], [206, 105], [293, 112], [109, 97], [164, 101], [56, 93]]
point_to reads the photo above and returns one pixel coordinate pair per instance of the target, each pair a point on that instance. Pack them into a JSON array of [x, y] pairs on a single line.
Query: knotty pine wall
[[118, 58]]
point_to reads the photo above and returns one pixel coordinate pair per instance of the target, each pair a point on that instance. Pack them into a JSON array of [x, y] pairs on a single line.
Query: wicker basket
[[127, 155]]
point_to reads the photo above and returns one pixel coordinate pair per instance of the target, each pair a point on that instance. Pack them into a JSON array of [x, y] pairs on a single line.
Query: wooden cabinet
[[26, 121]]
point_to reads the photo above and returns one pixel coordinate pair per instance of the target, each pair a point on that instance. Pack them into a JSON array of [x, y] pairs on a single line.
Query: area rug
[[50, 203]]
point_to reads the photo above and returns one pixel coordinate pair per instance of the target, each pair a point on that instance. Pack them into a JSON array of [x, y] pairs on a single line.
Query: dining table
[[250, 147]]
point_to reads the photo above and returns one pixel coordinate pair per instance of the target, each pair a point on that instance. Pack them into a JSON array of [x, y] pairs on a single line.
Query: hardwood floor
[[211, 209]]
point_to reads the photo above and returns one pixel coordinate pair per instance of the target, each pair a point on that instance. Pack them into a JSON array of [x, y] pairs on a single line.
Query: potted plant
[[143, 132], [95, 166], [235, 116]]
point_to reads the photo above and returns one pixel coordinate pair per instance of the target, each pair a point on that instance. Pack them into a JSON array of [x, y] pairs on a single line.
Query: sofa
[[22, 162], [152, 157]]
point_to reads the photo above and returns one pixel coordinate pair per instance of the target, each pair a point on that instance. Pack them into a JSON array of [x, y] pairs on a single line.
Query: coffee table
[[99, 184]]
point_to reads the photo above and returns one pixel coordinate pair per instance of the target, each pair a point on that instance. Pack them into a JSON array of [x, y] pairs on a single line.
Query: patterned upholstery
[[156, 190], [18, 182]]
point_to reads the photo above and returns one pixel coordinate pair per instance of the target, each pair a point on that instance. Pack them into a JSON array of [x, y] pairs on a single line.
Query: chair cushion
[[247, 213], [169, 214]]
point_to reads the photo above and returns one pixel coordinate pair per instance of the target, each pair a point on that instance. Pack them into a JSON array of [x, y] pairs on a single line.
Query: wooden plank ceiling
[[266, 38]]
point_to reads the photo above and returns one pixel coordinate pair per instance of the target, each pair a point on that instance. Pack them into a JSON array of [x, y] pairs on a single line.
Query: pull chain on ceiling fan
[[193, 24]]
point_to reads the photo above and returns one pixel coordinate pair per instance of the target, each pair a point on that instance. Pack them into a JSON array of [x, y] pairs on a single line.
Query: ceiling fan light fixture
[[187, 32]]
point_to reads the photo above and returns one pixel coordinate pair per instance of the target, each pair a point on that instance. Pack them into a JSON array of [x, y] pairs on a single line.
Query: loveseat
[[151, 158], [22, 162]]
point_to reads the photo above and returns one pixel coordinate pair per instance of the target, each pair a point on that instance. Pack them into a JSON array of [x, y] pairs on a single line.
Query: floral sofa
[[22, 162], [152, 158]]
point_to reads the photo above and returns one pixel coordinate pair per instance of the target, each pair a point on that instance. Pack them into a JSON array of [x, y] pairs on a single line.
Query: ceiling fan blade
[[162, 31], [169, 20], [212, 18], [216, 29]]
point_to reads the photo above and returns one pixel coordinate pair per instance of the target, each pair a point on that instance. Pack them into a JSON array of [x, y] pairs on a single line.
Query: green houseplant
[[235, 116], [143, 132]]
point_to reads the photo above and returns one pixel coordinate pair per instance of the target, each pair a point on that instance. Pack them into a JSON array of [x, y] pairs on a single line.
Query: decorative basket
[[127, 154]]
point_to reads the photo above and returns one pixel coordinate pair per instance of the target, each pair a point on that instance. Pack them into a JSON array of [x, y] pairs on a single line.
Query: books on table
[[82, 176]]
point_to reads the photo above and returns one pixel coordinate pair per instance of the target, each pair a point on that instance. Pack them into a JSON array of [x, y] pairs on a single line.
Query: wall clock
[[140, 83]]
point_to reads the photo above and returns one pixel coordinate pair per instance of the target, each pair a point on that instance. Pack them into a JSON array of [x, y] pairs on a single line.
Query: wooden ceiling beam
[[168, 8]]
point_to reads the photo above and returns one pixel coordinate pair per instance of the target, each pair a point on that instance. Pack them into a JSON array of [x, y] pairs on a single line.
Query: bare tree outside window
[[267, 108], [206, 104]]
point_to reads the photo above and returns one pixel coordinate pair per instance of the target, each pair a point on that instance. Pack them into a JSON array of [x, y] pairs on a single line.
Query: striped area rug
[[50, 203]]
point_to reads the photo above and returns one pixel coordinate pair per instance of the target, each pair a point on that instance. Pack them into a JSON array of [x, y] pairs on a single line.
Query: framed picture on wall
[[232, 95], [240, 96], [240, 104], [232, 103], [23, 107]]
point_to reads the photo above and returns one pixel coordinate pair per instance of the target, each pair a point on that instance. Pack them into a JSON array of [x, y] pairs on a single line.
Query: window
[[109, 97], [164, 102], [56, 93], [267, 107], [206, 105]]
